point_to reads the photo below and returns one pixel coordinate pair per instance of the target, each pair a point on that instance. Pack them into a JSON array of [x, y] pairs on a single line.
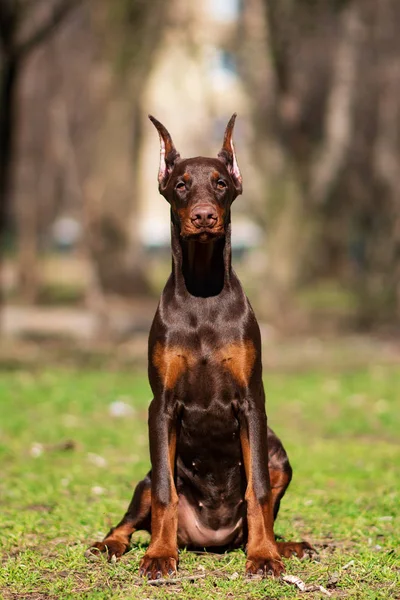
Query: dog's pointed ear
[[168, 153], [228, 156]]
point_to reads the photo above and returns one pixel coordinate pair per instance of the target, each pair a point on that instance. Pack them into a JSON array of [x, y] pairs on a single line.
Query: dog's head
[[200, 190]]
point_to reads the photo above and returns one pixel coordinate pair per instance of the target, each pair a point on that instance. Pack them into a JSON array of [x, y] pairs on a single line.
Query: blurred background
[[84, 232]]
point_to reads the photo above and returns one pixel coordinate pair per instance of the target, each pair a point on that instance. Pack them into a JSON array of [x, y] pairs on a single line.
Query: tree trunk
[[8, 86], [112, 213], [339, 121]]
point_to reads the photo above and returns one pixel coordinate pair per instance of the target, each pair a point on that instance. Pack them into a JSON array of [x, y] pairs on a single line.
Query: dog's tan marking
[[260, 519], [171, 362], [163, 553], [172, 452], [121, 534], [238, 358]]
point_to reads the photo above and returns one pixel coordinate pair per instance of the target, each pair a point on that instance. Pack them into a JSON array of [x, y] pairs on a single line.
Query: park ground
[[73, 444]]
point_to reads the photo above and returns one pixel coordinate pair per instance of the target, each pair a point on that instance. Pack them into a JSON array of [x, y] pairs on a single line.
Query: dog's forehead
[[200, 167]]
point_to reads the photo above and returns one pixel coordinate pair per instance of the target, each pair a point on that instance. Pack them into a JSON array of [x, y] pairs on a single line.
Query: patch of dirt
[[39, 508]]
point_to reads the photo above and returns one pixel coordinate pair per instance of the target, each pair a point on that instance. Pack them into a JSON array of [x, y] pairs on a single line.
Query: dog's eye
[[221, 184], [180, 185]]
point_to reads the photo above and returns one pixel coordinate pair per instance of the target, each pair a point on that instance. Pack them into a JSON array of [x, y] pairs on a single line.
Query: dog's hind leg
[[137, 517], [280, 471], [280, 475]]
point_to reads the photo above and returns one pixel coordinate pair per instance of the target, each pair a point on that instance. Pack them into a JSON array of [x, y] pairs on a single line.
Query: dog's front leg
[[262, 553], [161, 558]]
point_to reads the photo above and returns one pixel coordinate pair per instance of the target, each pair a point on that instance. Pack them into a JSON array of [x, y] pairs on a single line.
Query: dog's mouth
[[202, 234]]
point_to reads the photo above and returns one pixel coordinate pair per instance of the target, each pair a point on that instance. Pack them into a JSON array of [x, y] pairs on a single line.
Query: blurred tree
[[24, 25], [131, 31], [323, 79], [92, 79]]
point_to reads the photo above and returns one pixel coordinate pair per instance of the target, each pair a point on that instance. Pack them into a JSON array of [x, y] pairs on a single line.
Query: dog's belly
[[211, 483], [210, 476], [193, 532]]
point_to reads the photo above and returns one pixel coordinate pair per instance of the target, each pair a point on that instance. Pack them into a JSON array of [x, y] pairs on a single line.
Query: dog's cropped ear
[[228, 156], [168, 154]]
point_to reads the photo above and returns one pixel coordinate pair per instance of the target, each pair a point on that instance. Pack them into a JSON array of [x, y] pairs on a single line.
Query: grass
[[68, 469]]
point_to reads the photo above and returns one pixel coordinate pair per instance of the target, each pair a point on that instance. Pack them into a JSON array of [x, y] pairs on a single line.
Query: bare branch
[[48, 27]]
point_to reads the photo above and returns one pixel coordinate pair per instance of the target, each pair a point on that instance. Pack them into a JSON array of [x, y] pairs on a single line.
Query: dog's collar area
[[203, 267]]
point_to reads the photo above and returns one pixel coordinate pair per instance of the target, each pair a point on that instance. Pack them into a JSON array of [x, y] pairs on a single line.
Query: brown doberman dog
[[218, 471]]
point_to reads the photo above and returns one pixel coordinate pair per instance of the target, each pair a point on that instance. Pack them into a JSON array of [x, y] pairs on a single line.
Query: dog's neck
[[202, 270]]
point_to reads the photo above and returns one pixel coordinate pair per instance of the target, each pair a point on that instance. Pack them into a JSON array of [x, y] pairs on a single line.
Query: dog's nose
[[203, 216]]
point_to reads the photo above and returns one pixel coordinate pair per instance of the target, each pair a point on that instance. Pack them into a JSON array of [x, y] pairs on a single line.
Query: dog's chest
[[201, 364]]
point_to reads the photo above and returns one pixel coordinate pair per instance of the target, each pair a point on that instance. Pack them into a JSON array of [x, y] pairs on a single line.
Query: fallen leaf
[[295, 581]]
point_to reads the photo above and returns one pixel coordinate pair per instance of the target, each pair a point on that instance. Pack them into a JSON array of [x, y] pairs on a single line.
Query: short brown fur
[[218, 471], [171, 362], [238, 359], [260, 521]]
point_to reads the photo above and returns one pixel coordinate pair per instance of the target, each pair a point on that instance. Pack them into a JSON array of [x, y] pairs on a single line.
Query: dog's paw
[[264, 567], [113, 549], [299, 549], [157, 567]]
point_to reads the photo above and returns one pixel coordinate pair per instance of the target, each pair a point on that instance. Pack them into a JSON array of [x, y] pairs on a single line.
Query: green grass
[[342, 436]]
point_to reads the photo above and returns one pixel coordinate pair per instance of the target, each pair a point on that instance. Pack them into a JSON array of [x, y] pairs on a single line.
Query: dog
[[218, 472]]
